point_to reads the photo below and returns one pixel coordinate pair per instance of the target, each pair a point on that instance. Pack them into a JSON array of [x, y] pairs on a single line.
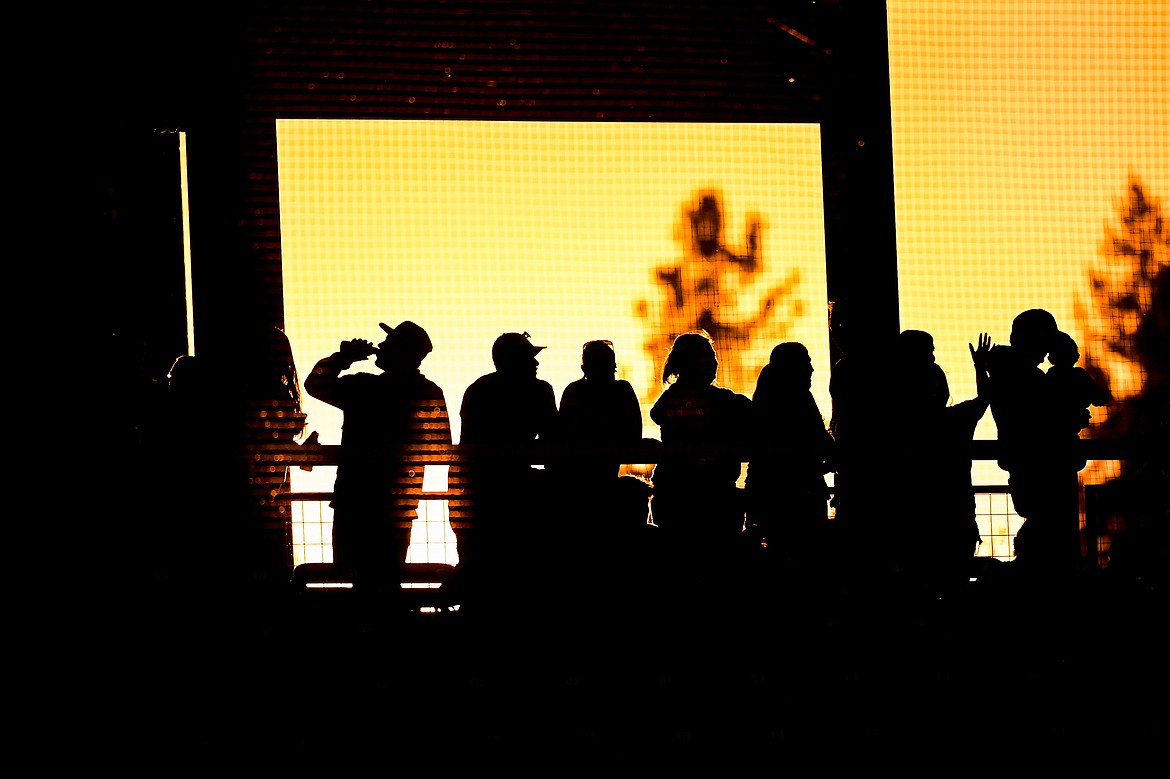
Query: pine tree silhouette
[[1121, 346]]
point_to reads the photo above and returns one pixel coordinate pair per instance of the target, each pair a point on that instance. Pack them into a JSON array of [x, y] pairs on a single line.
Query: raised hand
[[979, 355]]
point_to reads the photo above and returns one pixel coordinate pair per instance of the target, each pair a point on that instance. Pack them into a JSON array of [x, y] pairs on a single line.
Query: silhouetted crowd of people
[[548, 514], [565, 505]]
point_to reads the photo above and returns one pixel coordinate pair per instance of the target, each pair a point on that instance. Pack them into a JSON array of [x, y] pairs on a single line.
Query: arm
[[322, 382], [547, 418], [439, 428], [632, 415], [981, 358]]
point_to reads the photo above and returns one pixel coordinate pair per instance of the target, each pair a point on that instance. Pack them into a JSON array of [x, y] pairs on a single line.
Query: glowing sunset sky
[[1016, 127]]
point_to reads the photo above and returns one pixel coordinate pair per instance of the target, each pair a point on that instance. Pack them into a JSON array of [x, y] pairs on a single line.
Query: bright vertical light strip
[[187, 296]]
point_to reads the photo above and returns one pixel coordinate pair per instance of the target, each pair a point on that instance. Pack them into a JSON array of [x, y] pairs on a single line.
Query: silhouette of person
[[938, 500], [391, 420], [705, 432], [860, 387], [1042, 484], [224, 420], [504, 415], [599, 416], [922, 384], [1073, 390], [788, 497], [189, 452], [267, 375], [917, 392]]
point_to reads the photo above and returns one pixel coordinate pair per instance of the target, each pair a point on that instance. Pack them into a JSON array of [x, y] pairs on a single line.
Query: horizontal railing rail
[[648, 452], [459, 494]]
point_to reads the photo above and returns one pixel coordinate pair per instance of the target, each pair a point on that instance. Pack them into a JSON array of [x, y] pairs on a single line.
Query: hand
[[311, 442], [979, 355], [356, 349]]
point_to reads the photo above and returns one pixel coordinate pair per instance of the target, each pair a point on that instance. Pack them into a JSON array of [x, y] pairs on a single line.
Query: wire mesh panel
[[998, 523]]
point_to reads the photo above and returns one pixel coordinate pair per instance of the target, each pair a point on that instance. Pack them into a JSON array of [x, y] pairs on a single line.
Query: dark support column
[[859, 171]]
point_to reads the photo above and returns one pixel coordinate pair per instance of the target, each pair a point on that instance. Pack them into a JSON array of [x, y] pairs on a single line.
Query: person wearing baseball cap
[[408, 340], [515, 352], [387, 416], [509, 406], [505, 414]]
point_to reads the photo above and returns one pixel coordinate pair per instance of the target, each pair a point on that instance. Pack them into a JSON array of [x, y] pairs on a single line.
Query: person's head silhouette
[[923, 380], [691, 360], [514, 353], [1032, 334], [916, 345], [790, 366], [1063, 351], [405, 346], [598, 361]]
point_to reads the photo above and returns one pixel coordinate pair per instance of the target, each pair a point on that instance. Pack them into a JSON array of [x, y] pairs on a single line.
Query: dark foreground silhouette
[[686, 634]]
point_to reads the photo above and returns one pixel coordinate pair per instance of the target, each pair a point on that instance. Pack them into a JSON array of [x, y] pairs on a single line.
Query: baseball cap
[[510, 346], [408, 336]]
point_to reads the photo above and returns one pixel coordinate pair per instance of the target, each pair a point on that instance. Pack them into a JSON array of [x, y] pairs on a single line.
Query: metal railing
[[442, 511]]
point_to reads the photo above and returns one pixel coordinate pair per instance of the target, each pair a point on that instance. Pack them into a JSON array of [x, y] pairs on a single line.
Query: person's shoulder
[[976, 405], [430, 388], [1001, 350], [624, 389], [665, 398], [1000, 356], [728, 395], [480, 386], [575, 388], [671, 391]]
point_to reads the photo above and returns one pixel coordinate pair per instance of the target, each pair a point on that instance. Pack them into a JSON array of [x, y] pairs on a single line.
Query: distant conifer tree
[[1124, 315]]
